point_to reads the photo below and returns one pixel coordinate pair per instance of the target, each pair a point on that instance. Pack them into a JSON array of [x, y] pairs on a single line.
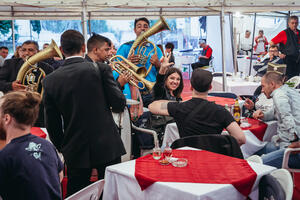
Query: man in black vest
[[289, 41], [205, 56]]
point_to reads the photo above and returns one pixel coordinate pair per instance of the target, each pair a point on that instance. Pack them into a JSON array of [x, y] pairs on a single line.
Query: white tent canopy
[[124, 9]]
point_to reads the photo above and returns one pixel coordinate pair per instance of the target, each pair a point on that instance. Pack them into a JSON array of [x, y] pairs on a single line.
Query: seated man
[[205, 56], [30, 167], [199, 116], [286, 110], [273, 57], [275, 158]]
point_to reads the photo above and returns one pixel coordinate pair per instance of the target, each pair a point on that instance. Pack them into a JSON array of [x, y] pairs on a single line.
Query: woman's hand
[[165, 65]]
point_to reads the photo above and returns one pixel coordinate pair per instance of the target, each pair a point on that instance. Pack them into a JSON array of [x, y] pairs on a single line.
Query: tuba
[[159, 26], [121, 64], [29, 70]]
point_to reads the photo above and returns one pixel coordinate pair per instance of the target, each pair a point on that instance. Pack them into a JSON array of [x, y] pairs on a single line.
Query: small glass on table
[[167, 152], [156, 152]]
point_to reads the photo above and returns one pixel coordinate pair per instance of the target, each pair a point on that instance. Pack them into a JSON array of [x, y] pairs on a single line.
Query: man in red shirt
[[205, 56], [289, 46]]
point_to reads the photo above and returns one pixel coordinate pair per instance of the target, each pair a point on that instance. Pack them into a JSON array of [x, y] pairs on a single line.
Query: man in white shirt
[[246, 43]]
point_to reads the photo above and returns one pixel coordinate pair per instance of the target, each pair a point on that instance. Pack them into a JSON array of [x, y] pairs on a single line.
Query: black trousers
[[79, 178], [202, 62], [292, 66]]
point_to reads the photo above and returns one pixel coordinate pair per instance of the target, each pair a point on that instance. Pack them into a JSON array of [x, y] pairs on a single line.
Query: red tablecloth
[[38, 132], [221, 100], [203, 167], [258, 128]]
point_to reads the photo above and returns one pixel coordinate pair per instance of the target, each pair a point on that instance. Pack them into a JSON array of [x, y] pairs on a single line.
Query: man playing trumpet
[[140, 26]]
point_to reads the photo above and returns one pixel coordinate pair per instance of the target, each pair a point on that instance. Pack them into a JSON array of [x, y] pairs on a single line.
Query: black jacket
[[77, 99]]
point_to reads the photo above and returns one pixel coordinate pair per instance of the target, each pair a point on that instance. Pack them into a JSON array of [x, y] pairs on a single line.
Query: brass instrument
[[139, 43], [27, 77], [137, 72]]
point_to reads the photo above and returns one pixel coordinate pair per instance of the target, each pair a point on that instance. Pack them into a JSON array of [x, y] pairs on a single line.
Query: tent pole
[[233, 42], [83, 20], [161, 36], [222, 23], [13, 29], [252, 44], [89, 23]]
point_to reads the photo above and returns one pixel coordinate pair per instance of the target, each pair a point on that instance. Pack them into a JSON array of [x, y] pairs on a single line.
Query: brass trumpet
[[137, 72], [159, 26]]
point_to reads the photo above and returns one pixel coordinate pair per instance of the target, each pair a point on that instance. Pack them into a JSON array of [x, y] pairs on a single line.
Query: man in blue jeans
[[275, 158]]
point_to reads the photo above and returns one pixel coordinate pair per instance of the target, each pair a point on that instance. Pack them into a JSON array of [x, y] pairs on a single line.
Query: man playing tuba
[[141, 25], [11, 67]]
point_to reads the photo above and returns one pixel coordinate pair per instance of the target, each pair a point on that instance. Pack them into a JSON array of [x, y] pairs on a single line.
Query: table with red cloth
[[207, 176], [40, 132]]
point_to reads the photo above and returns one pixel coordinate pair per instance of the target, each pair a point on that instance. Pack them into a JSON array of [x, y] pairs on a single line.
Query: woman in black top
[[169, 84]]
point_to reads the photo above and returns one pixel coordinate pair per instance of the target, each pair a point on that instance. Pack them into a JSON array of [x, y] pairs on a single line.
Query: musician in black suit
[[78, 98], [11, 67]]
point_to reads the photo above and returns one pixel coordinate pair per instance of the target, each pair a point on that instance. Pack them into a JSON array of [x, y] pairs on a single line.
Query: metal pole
[[13, 29], [161, 33], [89, 23], [252, 44], [222, 23], [232, 35], [83, 20], [287, 19]]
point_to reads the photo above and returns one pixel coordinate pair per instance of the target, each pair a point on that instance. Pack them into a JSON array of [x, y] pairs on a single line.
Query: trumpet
[[137, 72]]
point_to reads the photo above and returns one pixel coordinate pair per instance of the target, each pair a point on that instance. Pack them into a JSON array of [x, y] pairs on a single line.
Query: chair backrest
[[223, 94], [285, 179], [270, 188], [222, 144], [91, 192]]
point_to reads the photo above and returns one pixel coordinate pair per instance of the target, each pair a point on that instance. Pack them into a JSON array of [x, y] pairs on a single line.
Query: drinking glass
[[167, 152], [156, 153]]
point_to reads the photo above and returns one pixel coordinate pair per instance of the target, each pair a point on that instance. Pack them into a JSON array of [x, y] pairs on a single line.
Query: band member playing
[[141, 25], [11, 67]]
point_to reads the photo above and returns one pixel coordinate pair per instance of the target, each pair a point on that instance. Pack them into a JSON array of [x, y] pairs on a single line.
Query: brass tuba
[[121, 64], [27, 77], [159, 26]]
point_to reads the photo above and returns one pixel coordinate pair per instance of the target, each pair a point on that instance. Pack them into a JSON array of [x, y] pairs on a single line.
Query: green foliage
[[36, 25], [5, 26]]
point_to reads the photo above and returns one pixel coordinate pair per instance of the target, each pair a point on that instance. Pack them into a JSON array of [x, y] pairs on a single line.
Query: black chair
[[223, 94], [222, 144], [270, 188]]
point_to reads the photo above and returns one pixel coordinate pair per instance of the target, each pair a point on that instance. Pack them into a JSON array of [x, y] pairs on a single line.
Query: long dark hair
[[170, 71]]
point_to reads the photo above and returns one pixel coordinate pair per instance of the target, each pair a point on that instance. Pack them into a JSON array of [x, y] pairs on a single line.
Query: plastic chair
[[270, 188], [286, 157], [255, 158], [222, 144], [210, 65], [91, 192], [295, 80], [285, 179], [223, 94]]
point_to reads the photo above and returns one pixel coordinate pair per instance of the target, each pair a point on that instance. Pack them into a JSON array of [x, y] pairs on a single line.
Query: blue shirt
[[124, 51], [29, 169]]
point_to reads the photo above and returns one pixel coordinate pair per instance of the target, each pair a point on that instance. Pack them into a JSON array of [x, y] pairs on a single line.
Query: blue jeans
[[275, 159], [268, 148]]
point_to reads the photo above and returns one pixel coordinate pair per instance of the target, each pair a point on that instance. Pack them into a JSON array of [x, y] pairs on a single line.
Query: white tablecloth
[[251, 146], [239, 87], [120, 183], [244, 63]]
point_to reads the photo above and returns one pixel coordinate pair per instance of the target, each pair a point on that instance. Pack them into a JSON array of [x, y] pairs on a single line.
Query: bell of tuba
[[27, 77], [121, 64], [159, 26]]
